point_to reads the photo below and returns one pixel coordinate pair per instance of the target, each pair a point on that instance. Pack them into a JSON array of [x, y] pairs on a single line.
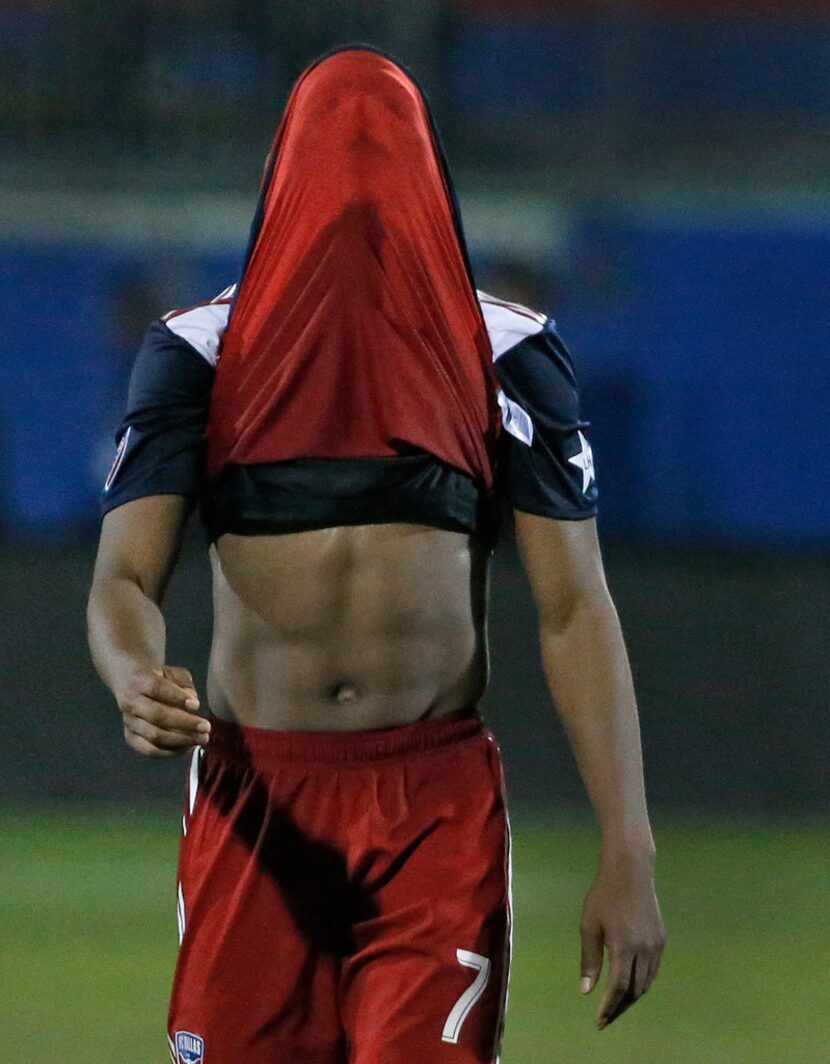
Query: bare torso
[[347, 628]]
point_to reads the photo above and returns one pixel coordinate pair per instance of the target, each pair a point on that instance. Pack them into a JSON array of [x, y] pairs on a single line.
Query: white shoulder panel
[[508, 323], [203, 326]]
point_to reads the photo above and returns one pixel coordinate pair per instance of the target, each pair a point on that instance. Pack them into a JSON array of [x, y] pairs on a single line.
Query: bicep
[[140, 542], [563, 563]]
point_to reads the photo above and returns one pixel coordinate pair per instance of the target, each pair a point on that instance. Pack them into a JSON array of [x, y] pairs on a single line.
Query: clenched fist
[[158, 708]]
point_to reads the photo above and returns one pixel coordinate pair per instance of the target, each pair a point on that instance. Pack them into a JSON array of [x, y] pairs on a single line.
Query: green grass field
[[88, 938]]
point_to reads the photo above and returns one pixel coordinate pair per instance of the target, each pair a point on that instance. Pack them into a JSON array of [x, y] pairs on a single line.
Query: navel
[[344, 693]]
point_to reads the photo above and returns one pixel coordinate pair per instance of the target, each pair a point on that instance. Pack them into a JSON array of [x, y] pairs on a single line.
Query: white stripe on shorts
[[508, 945], [180, 913], [192, 785]]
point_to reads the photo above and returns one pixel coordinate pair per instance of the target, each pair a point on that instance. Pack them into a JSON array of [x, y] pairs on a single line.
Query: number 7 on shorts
[[464, 1006]]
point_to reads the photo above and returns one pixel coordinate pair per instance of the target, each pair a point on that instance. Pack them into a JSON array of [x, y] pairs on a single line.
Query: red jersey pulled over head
[[356, 330]]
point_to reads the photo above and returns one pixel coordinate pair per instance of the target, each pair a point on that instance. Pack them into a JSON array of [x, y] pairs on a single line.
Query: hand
[[622, 915], [154, 707]]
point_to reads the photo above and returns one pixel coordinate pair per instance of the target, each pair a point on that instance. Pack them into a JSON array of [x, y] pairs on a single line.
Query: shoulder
[[509, 324], [549, 468], [530, 358], [203, 325]]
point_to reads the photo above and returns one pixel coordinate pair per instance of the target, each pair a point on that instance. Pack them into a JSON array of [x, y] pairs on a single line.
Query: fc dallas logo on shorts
[[190, 1048]]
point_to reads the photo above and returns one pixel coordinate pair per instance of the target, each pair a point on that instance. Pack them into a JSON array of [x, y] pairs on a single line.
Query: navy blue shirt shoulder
[[547, 461], [161, 440]]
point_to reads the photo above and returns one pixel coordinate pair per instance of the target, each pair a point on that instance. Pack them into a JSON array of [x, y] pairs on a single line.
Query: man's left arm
[[587, 670]]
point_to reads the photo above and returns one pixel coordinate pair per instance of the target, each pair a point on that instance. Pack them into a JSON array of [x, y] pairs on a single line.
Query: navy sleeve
[[547, 459], [161, 441]]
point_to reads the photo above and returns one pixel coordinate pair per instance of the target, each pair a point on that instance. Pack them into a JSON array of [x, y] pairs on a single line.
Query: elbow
[[101, 594], [594, 608], [115, 580]]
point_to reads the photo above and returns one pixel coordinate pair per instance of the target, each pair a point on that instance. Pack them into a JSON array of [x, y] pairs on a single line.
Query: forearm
[[126, 630], [589, 678], [588, 674]]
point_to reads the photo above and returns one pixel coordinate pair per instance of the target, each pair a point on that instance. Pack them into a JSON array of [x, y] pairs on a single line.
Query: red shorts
[[343, 897]]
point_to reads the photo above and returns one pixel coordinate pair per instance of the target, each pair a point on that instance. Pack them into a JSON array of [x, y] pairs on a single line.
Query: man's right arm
[[157, 475], [139, 544]]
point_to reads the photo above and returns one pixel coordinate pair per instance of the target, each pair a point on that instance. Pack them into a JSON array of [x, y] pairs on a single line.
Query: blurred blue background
[[700, 338]]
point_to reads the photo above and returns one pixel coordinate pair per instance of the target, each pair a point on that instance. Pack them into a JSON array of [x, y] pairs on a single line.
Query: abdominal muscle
[[347, 628]]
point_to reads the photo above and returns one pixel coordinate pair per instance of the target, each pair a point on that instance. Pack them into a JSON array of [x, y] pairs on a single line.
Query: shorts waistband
[[236, 741]]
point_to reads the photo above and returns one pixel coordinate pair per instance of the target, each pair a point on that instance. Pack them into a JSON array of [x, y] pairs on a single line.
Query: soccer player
[[345, 418]]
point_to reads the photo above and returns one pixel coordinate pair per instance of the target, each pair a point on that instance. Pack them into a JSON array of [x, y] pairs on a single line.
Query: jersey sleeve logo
[[515, 420], [119, 458], [584, 460]]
